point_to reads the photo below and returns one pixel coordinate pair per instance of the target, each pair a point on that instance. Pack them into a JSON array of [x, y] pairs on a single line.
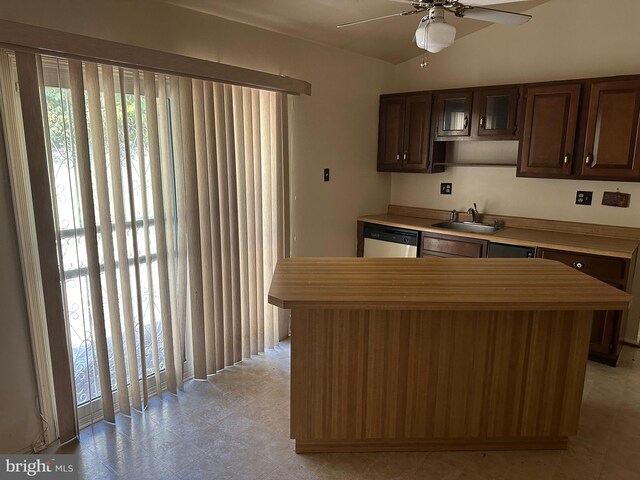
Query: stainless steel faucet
[[473, 211], [452, 215]]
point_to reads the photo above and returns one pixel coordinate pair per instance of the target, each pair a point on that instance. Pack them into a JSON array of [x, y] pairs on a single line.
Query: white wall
[[566, 39]]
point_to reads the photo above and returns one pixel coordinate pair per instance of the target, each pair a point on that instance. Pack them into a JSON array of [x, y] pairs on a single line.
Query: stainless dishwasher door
[[383, 241]]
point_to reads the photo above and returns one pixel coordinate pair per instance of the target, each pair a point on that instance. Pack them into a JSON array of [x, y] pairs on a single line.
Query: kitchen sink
[[468, 227]]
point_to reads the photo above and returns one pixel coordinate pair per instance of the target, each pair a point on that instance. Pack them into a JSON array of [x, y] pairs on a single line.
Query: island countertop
[[439, 284]]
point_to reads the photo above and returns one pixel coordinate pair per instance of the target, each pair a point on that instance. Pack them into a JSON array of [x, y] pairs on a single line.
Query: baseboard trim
[[431, 445]]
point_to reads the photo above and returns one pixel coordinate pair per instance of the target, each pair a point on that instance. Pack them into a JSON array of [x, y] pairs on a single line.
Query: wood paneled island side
[[436, 354]]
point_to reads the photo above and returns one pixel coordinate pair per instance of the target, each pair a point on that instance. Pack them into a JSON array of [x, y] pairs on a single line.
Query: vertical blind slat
[[267, 237], [161, 242], [169, 206], [273, 143], [225, 234], [286, 192], [238, 127], [193, 229], [252, 245], [233, 221], [180, 288], [214, 223], [134, 234], [142, 172], [208, 340], [259, 218], [278, 190]]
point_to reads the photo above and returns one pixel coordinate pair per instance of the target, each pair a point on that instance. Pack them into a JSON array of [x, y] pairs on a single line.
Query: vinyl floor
[[235, 426]]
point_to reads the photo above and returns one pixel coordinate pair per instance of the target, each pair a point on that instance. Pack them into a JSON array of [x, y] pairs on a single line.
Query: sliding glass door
[[168, 201]]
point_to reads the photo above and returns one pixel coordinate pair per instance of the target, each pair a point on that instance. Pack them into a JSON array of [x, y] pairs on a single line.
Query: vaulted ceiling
[[390, 40]]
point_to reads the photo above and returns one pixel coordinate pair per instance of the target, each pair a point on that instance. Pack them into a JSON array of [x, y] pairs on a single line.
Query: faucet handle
[[452, 215], [473, 211]]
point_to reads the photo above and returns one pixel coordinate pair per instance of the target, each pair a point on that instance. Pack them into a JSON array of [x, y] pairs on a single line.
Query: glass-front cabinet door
[[495, 113], [453, 112]]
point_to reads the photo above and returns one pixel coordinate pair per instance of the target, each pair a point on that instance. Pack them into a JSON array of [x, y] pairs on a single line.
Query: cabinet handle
[[466, 122], [578, 265], [482, 122], [404, 156], [588, 160], [566, 159], [398, 157]]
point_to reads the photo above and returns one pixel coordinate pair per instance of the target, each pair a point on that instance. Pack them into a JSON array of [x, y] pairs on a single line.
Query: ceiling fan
[[434, 34]]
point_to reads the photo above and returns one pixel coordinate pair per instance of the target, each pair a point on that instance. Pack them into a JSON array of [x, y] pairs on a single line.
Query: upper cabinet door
[[390, 133], [549, 131], [417, 132], [453, 114], [495, 113], [611, 143]]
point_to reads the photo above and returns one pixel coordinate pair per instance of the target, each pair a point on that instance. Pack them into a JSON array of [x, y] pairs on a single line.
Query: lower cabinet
[[608, 326], [437, 245]]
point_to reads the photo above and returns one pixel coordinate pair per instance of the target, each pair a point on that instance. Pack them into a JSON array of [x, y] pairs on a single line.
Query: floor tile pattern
[[235, 426]]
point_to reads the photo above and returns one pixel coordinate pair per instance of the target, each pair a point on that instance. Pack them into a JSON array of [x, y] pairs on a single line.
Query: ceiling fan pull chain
[[425, 57], [425, 60]]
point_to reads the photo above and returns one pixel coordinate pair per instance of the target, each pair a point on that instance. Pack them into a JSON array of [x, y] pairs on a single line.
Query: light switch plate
[[445, 188], [326, 174]]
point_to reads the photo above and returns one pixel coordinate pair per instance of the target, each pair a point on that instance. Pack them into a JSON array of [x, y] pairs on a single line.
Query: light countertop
[[590, 244]]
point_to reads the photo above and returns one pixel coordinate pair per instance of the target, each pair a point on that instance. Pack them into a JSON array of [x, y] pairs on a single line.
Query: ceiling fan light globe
[[436, 36]]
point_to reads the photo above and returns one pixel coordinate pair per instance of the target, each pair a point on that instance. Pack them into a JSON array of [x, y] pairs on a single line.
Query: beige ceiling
[[316, 20]]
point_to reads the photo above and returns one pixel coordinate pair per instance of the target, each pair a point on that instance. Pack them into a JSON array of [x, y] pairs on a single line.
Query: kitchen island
[[436, 354]]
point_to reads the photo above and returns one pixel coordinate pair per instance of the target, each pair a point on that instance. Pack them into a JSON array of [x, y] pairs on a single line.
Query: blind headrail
[[45, 41]]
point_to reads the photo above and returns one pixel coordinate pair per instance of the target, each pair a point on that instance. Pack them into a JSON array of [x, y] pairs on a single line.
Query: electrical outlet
[[326, 174], [445, 189], [583, 198]]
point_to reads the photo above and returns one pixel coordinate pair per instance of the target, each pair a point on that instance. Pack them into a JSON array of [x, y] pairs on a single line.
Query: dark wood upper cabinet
[[578, 129], [549, 130], [611, 141], [453, 114], [494, 113], [390, 133], [417, 132], [404, 138]]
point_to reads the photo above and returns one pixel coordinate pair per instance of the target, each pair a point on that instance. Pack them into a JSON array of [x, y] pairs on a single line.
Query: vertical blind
[[169, 199]]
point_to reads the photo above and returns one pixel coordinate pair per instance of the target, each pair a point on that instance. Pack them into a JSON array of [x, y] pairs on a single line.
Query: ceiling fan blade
[[495, 16], [399, 14], [483, 3]]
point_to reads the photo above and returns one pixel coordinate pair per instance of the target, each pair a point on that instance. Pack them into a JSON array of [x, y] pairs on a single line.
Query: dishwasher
[[385, 241], [505, 250]]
